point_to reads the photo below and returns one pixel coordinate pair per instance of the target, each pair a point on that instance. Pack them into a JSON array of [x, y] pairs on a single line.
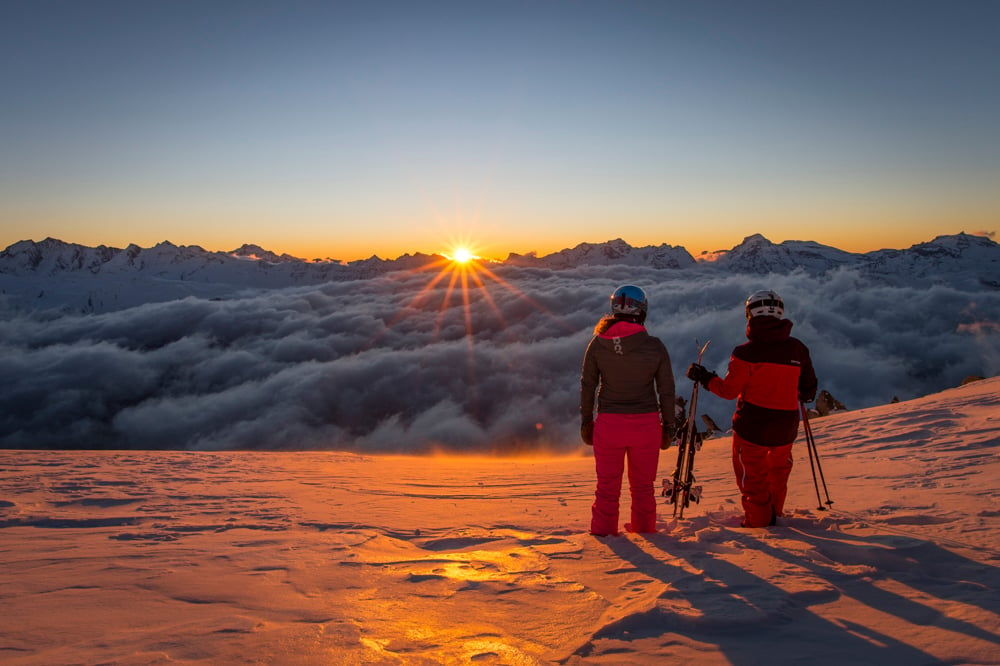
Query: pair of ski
[[679, 488]]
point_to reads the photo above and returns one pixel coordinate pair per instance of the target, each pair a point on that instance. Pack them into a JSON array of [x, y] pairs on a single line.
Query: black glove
[[699, 374], [668, 436], [587, 433]]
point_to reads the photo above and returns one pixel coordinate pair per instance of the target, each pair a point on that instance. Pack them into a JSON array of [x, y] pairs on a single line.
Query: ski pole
[[814, 453], [812, 465], [822, 478]]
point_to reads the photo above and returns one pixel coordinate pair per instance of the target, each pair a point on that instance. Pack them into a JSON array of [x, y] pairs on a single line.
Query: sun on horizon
[[461, 255]]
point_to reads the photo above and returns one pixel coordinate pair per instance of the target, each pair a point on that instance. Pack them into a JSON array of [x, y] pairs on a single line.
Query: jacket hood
[[768, 329]]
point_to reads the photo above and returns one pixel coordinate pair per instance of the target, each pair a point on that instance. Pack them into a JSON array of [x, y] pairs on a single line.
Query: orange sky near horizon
[[492, 241]]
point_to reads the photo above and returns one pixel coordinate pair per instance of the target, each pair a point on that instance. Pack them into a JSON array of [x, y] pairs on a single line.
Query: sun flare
[[462, 255], [462, 280]]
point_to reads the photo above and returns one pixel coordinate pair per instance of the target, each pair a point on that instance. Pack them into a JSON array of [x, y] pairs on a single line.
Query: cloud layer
[[407, 363]]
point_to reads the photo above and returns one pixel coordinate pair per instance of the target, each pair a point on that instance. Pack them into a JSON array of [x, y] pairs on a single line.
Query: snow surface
[[321, 558]]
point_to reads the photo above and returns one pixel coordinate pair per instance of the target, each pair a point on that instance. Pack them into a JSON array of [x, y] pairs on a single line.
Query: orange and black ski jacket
[[769, 375]]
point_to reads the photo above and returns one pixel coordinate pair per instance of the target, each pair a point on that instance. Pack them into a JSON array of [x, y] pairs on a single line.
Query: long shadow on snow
[[918, 564], [751, 620]]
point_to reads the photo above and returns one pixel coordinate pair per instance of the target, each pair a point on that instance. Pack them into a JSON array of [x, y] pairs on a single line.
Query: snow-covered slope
[[315, 558]]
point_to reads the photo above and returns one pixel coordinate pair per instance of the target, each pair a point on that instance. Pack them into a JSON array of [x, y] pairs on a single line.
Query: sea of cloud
[[411, 362]]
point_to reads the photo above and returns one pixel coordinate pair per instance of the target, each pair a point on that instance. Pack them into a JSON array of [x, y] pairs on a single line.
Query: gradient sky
[[346, 129]]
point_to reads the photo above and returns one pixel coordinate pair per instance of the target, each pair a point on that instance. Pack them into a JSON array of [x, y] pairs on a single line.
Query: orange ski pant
[[619, 439], [762, 476]]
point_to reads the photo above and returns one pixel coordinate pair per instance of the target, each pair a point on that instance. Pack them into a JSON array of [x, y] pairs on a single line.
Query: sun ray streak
[[532, 302], [445, 303], [422, 295], [466, 303], [415, 302], [489, 298], [472, 384]]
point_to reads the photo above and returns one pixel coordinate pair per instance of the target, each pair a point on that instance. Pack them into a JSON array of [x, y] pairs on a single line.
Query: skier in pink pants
[[629, 372]]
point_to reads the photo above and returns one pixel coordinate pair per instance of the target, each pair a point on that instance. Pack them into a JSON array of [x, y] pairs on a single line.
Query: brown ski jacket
[[629, 371]]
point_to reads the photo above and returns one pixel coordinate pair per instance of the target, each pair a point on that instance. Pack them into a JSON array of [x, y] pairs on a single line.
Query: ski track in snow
[[184, 557]]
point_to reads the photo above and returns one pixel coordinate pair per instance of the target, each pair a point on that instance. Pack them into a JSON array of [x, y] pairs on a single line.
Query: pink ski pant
[[621, 438], [762, 476]]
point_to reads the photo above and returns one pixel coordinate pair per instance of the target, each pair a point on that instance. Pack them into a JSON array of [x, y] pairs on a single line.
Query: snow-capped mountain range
[[76, 278]]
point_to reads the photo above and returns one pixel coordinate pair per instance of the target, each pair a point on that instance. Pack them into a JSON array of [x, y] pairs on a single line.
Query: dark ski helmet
[[629, 301], [766, 303]]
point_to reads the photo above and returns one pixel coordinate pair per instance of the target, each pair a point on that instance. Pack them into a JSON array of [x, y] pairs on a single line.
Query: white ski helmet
[[766, 303], [629, 300]]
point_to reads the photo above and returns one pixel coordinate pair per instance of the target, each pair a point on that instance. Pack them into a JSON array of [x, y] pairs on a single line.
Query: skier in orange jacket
[[769, 375]]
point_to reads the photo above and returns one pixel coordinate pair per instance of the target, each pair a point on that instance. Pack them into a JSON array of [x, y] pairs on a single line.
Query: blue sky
[[351, 129]]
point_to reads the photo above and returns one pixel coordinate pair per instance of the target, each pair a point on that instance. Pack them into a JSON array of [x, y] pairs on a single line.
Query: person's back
[[770, 374], [623, 363], [628, 372]]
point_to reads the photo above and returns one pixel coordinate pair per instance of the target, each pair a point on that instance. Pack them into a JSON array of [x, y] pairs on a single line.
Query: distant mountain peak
[[251, 251], [756, 239], [757, 254]]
